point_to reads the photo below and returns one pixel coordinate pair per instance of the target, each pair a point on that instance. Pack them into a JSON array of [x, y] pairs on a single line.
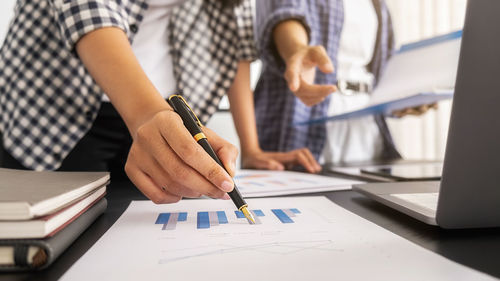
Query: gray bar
[[257, 220], [172, 222], [214, 218], [289, 213]]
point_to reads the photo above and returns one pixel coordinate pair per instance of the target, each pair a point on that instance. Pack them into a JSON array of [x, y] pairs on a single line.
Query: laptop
[[468, 195]]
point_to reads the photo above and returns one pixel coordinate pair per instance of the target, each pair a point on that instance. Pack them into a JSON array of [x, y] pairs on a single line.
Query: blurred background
[[416, 137]]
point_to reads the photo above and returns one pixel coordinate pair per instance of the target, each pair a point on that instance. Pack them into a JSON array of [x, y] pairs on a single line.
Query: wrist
[[249, 151], [137, 115]]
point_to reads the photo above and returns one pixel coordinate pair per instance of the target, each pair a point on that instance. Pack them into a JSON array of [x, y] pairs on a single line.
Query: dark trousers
[[104, 148]]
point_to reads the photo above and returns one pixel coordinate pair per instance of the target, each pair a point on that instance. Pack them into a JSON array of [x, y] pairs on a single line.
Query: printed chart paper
[[307, 238], [260, 183]]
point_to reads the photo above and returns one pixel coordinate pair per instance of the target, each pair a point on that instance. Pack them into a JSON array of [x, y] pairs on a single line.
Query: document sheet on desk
[[295, 238], [260, 183]]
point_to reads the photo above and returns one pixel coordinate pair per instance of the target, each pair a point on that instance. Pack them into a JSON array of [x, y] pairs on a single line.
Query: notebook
[[30, 254], [50, 224], [28, 194]]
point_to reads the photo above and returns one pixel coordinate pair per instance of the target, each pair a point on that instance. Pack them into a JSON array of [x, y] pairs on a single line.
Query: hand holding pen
[[194, 126], [166, 163]]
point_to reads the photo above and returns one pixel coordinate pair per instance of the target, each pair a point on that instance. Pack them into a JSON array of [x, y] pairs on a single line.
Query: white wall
[[6, 11]]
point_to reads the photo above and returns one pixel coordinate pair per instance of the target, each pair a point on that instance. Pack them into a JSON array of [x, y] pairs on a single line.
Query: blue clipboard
[[385, 109]]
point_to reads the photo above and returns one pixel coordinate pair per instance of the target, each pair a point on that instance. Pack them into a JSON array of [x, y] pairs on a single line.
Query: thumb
[[319, 56], [226, 152], [292, 74]]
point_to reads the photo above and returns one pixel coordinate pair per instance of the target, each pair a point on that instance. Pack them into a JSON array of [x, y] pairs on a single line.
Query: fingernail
[[226, 197], [227, 186], [233, 166]]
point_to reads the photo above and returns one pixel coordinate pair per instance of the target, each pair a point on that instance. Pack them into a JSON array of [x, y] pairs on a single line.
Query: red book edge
[[46, 218]]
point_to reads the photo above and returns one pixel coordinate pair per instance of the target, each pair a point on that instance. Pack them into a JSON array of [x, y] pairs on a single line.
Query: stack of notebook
[[42, 213]]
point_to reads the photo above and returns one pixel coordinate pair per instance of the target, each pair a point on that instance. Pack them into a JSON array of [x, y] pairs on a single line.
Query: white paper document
[[421, 73], [260, 183], [428, 69], [296, 238]]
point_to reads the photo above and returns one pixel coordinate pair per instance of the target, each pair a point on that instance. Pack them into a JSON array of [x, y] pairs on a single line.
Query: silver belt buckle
[[342, 86], [365, 88]]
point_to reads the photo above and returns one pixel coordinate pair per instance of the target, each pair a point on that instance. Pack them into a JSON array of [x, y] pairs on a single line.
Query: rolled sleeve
[[77, 18], [269, 14]]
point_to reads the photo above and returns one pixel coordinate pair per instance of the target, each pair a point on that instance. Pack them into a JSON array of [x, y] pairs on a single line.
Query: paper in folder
[[419, 73]]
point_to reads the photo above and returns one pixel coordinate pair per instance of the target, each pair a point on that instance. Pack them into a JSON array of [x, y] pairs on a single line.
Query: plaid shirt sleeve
[[247, 50], [271, 13], [77, 18], [48, 100]]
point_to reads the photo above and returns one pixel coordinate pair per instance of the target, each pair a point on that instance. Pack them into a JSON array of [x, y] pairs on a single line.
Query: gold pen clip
[[190, 109]]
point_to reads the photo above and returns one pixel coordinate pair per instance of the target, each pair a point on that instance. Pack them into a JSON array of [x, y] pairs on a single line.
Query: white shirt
[[150, 46], [356, 139]]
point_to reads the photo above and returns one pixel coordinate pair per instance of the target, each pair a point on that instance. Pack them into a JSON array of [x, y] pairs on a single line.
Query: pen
[[194, 126]]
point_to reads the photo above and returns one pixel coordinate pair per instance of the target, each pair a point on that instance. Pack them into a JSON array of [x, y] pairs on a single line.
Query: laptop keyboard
[[427, 200]]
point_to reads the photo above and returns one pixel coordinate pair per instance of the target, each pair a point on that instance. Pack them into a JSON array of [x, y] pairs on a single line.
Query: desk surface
[[479, 249]]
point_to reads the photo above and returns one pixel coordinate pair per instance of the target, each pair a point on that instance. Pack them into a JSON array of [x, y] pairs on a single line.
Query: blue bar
[[239, 214], [284, 218], [182, 216], [256, 183], [295, 210], [259, 213], [203, 220], [162, 218], [222, 217]]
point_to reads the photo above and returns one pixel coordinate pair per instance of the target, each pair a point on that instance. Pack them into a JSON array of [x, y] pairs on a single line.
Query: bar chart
[[208, 219], [285, 215], [169, 220], [256, 214]]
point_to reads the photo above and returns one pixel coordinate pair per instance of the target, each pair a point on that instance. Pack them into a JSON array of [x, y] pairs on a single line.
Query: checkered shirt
[[207, 42], [276, 106], [48, 101]]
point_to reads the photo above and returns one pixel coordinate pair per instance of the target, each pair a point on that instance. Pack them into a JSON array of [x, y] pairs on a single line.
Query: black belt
[[359, 87]]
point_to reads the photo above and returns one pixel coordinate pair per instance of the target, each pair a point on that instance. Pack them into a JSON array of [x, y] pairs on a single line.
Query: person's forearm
[[290, 36], [242, 109], [108, 56]]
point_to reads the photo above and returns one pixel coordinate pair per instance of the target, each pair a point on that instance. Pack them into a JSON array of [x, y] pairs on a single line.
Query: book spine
[[51, 248]]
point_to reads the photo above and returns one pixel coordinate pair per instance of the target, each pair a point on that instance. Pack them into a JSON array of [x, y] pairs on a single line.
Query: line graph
[[273, 248]]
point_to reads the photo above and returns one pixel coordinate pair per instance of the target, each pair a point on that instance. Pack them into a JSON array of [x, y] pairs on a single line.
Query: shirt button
[[133, 27]]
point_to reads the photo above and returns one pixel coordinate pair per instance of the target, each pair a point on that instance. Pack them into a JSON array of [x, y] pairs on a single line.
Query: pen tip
[[248, 215]]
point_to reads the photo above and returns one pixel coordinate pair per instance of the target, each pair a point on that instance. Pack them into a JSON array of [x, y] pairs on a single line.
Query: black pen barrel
[[237, 198], [234, 194]]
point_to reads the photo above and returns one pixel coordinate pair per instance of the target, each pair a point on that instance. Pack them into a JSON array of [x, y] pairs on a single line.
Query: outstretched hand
[[300, 74]]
